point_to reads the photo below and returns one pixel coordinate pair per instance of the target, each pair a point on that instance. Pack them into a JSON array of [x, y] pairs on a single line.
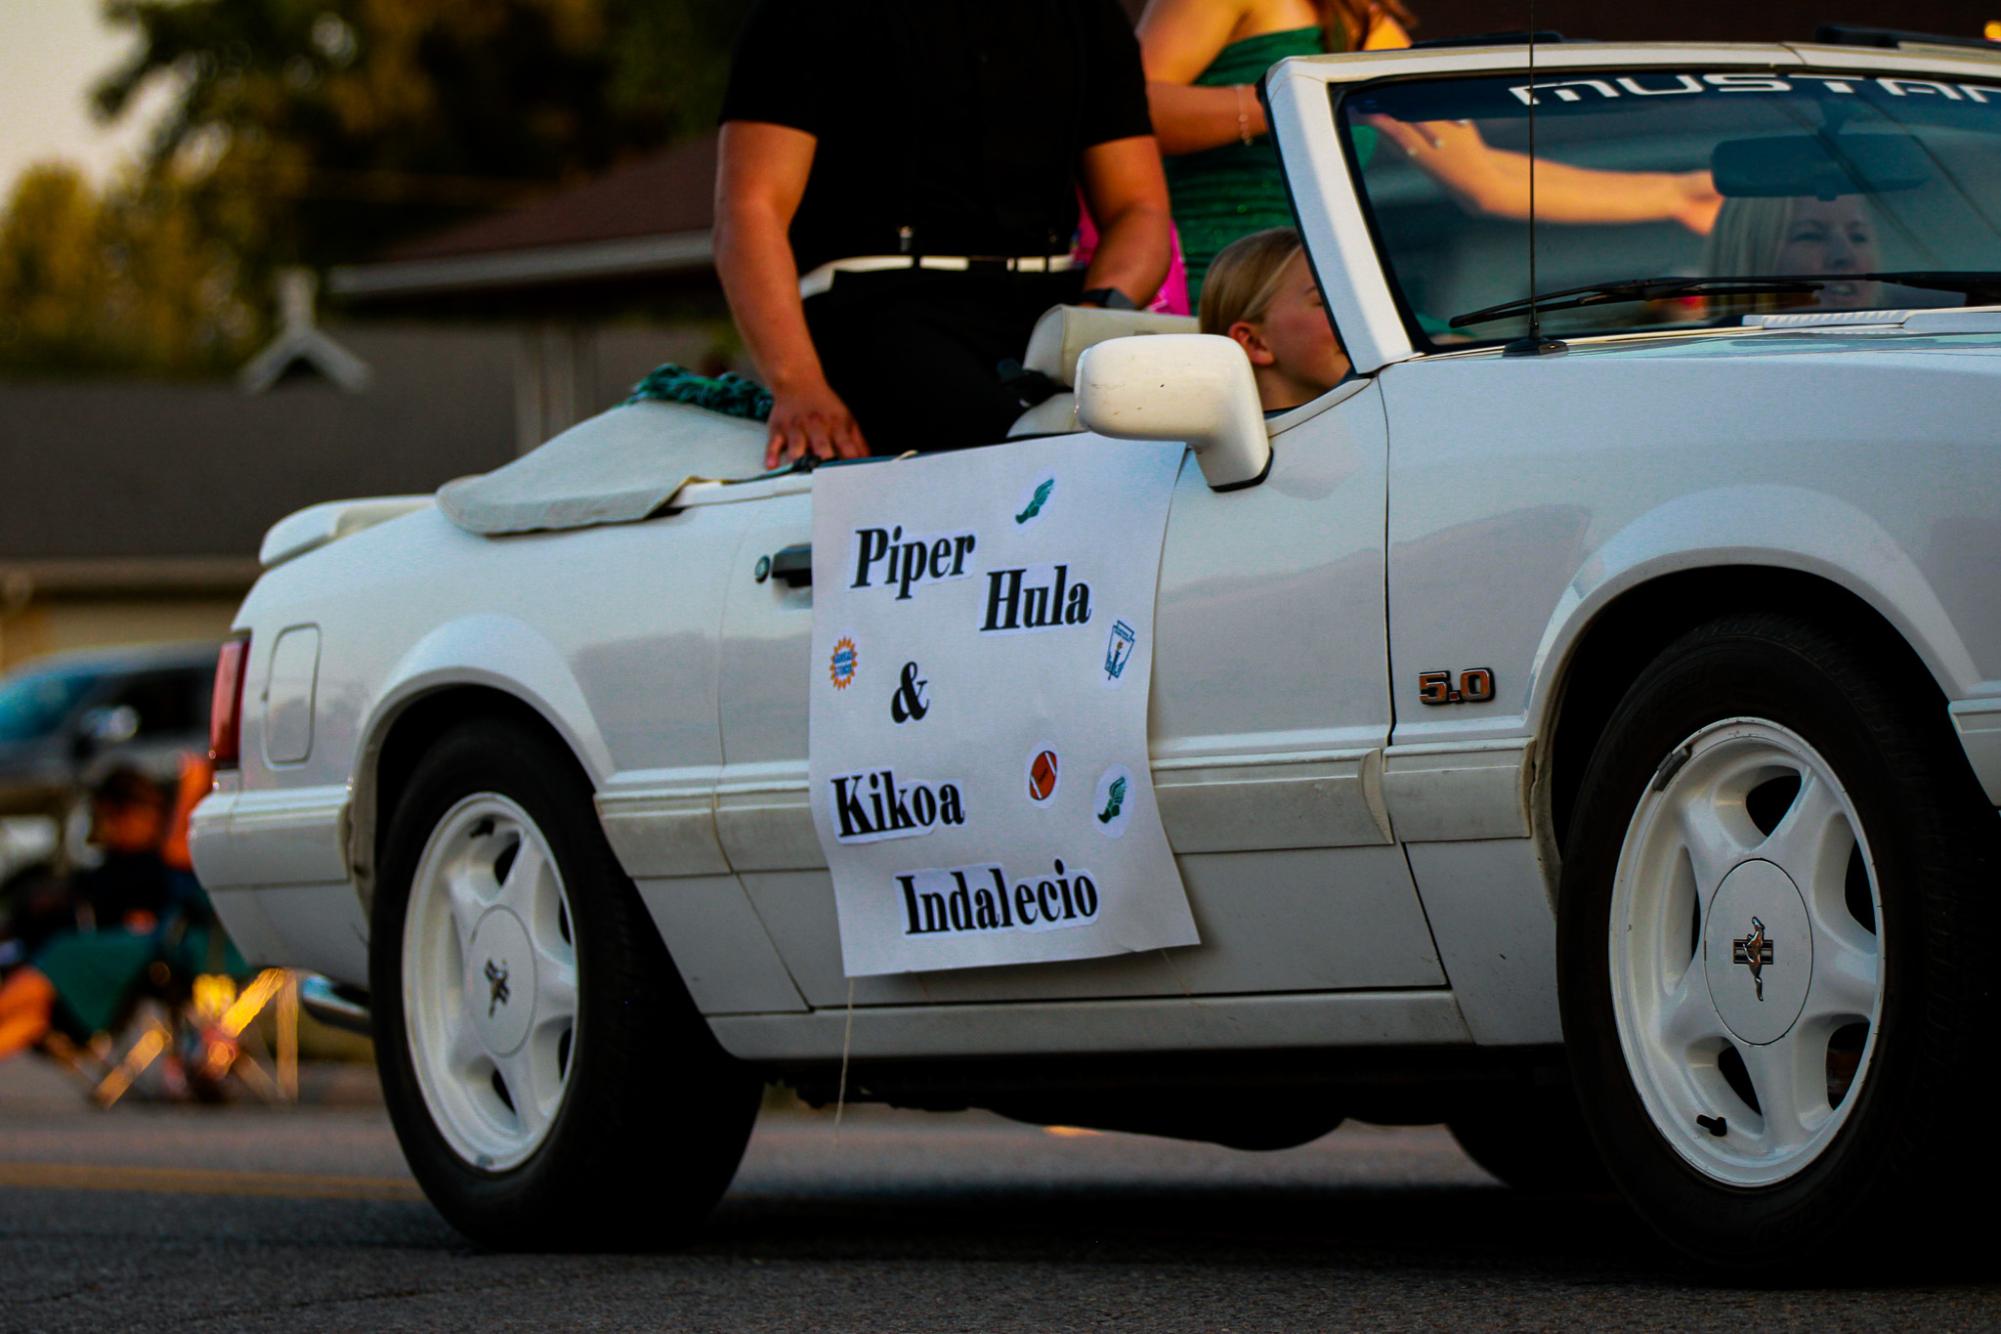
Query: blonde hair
[[1747, 237], [1745, 243], [1243, 278]]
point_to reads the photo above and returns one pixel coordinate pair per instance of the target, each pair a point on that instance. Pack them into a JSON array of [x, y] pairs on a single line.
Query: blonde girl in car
[[1262, 293]]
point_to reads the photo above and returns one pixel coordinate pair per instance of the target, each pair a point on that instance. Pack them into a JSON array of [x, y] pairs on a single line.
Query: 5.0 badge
[[1476, 686]]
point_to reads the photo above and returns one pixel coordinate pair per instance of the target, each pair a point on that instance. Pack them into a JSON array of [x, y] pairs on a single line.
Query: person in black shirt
[[895, 202]]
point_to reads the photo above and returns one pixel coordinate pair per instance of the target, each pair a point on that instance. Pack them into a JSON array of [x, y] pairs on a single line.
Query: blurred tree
[[50, 266], [321, 130], [317, 131], [124, 283], [670, 60]]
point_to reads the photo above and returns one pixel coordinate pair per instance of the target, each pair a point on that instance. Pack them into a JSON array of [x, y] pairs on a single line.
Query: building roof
[[171, 486], [650, 216], [650, 196]]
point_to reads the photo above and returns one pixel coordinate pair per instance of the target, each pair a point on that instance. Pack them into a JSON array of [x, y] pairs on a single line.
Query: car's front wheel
[[548, 1078], [1771, 919]]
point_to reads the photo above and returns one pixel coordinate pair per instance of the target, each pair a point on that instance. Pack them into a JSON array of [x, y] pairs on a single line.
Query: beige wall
[[59, 624]]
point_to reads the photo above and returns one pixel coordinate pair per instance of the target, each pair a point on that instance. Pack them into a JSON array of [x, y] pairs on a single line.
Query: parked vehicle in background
[[67, 721]]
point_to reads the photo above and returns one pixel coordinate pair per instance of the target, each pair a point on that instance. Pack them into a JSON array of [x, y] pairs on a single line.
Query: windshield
[[33, 706], [1799, 191]]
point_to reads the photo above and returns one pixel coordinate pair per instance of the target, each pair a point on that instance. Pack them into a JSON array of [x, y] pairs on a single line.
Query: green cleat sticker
[[1111, 811], [1035, 505]]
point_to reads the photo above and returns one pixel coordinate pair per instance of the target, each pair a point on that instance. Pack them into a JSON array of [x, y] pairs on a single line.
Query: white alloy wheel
[[1746, 959], [489, 971]]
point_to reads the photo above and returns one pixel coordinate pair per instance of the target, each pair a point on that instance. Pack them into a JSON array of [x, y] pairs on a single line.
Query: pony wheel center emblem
[[1754, 952], [496, 979]]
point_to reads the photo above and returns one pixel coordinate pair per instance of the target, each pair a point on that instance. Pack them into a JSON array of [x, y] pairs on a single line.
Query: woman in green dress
[[1203, 62]]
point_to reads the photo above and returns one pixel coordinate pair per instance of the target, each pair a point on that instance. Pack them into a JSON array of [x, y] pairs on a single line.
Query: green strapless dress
[[1223, 193]]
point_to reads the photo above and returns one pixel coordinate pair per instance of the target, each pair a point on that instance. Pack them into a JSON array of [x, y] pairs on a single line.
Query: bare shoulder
[[1258, 18]]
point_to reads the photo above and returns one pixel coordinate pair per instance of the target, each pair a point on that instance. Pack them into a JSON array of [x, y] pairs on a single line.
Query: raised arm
[[1127, 193], [1495, 181], [760, 179]]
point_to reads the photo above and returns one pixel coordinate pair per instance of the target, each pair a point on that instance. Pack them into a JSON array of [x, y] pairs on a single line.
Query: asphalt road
[[255, 1217]]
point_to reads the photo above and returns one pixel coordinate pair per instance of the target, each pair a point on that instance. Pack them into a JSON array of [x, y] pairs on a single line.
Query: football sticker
[[1044, 774], [1110, 805], [843, 665]]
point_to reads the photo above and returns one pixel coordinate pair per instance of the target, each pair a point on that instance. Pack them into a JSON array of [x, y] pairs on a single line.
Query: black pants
[[915, 353]]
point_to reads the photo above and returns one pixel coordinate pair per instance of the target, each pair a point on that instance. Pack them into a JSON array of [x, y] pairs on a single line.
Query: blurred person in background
[[138, 918], [896, 200], [129, 821]]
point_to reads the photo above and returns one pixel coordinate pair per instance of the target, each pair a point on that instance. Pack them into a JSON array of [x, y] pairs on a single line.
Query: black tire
[[655, 1116], [1534, 1140], [1914, 1139]]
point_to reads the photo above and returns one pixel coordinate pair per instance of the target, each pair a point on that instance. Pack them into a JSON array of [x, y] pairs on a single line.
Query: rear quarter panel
[[608, 633]]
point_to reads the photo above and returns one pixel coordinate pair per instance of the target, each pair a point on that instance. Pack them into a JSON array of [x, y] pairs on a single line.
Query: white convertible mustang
[[1597, 692]]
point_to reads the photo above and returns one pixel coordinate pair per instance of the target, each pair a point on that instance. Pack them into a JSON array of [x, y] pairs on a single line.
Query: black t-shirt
[[961, 120]]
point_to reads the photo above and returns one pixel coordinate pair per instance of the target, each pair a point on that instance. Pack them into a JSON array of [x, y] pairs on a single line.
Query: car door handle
[[794, 565]]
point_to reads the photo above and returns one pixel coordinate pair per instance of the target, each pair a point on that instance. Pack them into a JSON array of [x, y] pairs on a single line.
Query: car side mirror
[[1193, 387]]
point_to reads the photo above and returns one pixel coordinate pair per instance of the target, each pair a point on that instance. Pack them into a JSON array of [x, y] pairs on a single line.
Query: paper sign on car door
[[982, 646]]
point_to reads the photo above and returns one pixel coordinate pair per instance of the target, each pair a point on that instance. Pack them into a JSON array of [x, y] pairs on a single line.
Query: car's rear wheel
[[547, 1075], [1771, 905]]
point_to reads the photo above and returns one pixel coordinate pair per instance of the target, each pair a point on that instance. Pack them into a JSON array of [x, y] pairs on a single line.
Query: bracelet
[[1243, 120]]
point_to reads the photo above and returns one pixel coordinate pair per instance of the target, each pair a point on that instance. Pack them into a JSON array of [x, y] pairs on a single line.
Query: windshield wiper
[[1972, 283], [1981, 283], [1642, 289]]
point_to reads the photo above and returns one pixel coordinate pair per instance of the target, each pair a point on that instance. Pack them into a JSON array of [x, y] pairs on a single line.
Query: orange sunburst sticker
[[841, 667]]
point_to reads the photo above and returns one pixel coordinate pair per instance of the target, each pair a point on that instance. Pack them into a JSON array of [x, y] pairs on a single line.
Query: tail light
[[225, 718]]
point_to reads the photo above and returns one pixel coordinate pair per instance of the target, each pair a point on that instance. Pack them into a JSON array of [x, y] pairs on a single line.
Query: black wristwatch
[[1111, 298]]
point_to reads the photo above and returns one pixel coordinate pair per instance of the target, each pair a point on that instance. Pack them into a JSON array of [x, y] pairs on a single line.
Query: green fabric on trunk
[[728, 393]]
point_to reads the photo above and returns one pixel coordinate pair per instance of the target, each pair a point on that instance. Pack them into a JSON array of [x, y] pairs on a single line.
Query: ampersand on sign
[[909, 705]]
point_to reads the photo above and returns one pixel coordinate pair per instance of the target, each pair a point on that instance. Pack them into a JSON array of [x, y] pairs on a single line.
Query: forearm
[[1189, 119], [1579, 194], [1566, 193], [1134, 253], [760, 277]]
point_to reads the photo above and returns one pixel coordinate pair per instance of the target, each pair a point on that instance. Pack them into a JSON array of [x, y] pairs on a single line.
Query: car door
[[1268, 714]]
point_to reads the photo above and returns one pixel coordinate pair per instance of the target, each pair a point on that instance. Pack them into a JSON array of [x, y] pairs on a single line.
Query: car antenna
[[1534, 344]]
